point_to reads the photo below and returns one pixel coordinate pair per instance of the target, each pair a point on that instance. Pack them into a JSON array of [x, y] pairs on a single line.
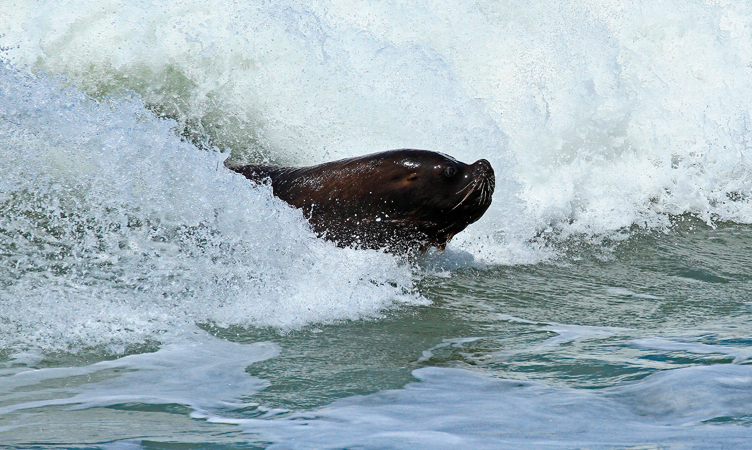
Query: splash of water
[[115, 231]]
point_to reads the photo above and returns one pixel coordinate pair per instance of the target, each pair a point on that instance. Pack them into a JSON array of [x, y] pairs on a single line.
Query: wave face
[[597, 118], [113, 231]]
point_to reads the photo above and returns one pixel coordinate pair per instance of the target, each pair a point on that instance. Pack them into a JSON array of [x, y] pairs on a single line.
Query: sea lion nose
[[483, 168]]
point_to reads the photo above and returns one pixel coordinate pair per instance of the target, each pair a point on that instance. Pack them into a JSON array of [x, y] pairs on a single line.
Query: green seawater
[[691, 284]]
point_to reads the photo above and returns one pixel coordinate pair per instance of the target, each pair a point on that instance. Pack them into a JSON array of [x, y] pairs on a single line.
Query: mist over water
[[609, 277]]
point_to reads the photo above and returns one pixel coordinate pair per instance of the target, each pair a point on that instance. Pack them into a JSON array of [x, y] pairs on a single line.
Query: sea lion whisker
[[485, 193], [469, 185], [469, 193]]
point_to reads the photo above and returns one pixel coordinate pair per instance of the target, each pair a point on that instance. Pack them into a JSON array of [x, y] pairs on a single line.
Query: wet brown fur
[[399, 200]]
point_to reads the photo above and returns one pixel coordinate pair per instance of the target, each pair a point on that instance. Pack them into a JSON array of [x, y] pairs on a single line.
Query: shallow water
[[149, 298]]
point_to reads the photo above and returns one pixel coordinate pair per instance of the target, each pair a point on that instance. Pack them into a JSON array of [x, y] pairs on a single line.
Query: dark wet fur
[[400, 200]]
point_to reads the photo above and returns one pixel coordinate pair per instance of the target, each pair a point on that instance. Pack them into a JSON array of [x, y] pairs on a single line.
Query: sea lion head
[[431, 193]]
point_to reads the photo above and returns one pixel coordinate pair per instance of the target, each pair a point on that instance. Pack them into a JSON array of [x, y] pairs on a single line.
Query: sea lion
[[398, 200]]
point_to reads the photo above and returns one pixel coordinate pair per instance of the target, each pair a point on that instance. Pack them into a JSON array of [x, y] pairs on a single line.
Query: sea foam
[[595, 117], [114, 231]]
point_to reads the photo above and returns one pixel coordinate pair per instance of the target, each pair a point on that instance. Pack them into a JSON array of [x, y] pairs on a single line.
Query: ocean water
[[151, 299]]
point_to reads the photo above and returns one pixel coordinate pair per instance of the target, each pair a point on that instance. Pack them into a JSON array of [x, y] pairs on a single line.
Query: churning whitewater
[[115, 231]]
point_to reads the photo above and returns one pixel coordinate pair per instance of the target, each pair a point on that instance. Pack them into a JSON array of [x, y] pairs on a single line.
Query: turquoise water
[[149, 298]]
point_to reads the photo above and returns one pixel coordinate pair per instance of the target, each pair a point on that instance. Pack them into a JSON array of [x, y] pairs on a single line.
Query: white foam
[[116, 232], [595, 116], [294, 83]]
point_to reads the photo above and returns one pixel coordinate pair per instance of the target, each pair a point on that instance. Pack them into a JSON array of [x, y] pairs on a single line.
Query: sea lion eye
[[450, 171]]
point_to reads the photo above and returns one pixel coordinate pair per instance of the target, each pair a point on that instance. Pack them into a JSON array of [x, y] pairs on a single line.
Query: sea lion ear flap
[[254, 172]]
